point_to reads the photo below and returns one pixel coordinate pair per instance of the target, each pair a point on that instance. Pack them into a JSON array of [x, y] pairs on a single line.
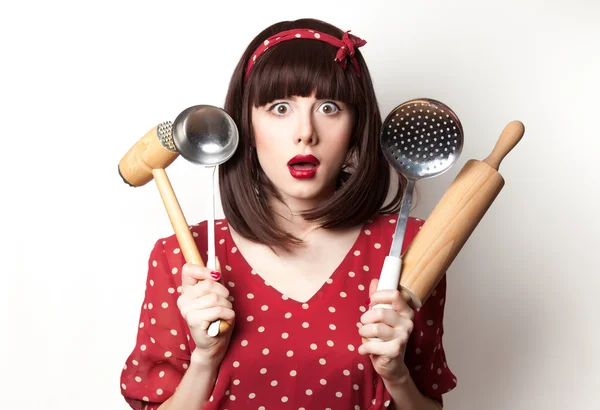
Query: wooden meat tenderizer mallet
[[147, 160], [454, 218]]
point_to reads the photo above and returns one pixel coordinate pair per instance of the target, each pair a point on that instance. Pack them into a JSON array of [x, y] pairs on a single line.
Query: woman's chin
[[311, 195]]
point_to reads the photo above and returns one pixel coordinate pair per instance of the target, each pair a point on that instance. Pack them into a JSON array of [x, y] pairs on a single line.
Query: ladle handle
[[510, 136], [182, 232], [180, 226]]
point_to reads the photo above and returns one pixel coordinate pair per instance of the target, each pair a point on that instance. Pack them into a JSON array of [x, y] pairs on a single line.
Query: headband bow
[[350, 43]]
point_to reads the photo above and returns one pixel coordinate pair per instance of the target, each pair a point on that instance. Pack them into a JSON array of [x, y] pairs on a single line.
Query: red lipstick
[[303, 166]]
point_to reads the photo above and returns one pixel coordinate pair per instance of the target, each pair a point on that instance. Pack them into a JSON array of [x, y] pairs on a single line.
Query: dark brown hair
[[299, 68]]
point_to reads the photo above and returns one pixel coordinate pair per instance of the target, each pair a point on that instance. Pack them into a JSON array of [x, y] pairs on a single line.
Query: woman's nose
[[306, 131]]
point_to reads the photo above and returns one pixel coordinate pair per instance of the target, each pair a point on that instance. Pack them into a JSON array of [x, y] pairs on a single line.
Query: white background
[[82, 81]]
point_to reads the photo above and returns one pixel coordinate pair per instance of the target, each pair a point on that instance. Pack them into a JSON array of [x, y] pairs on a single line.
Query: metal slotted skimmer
[[420, 139]]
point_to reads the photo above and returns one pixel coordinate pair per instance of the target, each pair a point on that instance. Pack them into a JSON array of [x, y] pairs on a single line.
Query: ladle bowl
[[205, 135]]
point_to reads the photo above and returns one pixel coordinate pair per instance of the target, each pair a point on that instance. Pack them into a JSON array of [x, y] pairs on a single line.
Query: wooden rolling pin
[[454, 218]]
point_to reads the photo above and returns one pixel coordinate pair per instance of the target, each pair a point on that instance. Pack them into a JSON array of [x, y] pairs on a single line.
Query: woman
[[301, 247]]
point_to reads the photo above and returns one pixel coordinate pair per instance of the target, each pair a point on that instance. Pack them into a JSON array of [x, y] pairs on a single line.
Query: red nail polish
[[368, 302], [215, 275]]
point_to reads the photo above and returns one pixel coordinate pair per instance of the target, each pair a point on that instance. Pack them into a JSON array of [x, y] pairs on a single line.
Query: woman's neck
[[288, 216]]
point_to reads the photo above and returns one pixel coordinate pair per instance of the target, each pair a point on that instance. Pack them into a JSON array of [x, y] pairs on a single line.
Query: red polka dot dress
[[283, 354]]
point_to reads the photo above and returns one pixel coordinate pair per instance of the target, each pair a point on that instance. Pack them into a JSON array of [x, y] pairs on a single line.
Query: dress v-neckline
[[280, 295]]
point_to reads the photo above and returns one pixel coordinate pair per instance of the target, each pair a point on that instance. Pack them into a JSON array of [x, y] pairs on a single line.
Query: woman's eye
[[329, 108], [280, 108]]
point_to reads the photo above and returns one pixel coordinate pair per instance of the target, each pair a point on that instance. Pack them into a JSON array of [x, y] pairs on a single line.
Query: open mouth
[[303, 166]]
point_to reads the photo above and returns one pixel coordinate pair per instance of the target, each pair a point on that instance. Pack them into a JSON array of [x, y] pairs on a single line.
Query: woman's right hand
[[204, 300]]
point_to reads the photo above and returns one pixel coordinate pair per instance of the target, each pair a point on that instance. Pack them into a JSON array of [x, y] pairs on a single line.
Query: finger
[[207, 287], [390, 349], [205, 302], [203, 318], [386, 316], [377, 330], [395, 299], [373, 286], [192, 274]]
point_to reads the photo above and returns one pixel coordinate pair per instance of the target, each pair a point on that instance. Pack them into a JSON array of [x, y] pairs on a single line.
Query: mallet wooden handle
[[454, 218], [180, 226]]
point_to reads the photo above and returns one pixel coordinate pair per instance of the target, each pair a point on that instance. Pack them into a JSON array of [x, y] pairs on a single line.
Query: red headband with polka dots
[[346, 46]]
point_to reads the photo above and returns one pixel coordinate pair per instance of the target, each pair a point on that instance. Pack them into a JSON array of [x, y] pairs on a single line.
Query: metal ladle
[[206, 135]]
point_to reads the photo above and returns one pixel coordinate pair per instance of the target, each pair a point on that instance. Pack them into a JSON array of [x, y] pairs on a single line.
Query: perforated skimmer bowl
[[420, 139]]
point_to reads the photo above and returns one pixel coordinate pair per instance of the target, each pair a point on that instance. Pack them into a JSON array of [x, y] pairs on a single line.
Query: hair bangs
[[300, 68]]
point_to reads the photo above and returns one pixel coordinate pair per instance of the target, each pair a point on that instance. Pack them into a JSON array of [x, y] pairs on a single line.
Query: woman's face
[[301, 144]]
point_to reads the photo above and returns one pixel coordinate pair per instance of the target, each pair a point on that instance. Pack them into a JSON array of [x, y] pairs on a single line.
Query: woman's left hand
[[393, 326]]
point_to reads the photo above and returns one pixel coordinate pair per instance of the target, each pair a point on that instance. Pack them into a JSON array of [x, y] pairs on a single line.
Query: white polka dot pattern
[[280, 345]]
